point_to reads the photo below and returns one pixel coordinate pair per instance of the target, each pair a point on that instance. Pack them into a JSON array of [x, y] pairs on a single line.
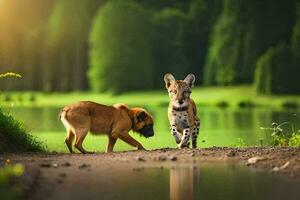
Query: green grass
[[99, 143], [210, 96], [14, 138]]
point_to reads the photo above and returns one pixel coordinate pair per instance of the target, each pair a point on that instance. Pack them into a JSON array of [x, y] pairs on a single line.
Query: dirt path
[[53, 176]]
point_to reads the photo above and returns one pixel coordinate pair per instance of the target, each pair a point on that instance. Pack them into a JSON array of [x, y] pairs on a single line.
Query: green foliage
[[68, 29], [120, 54], [10, 188], [245, 30], [168, 44], [14, 138], [53, 45], [294, 141], [295, 42], [283, 136], [201, 17], [21, 44], [276, 73], [296, 32]]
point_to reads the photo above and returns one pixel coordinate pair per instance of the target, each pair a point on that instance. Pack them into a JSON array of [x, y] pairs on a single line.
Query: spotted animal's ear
[[141, 116], [190, 80], [169, 79]]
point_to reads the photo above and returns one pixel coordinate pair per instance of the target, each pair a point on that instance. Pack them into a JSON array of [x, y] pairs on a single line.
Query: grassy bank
[[14, 138], [241, 96]]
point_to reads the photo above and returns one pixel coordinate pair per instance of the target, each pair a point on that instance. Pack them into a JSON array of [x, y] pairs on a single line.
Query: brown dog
[[115, 121]]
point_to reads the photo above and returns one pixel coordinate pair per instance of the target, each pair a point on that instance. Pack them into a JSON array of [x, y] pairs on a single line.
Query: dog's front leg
[[185, 138], [130, 140]]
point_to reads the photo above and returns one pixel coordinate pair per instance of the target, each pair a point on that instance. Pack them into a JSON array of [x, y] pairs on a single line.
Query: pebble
[[138, 158], [231, 153], [254, 160], [66, 164], [84, 166], [285, 165], [162, 158], [47, 165], [173, 158], [55, 165]]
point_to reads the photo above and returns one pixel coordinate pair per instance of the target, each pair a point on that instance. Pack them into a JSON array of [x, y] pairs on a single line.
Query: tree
[[202, 15], [120, 48], [295, 42], [275, 72], [67, 44], [168, 49], [243, 32], [20, 41]]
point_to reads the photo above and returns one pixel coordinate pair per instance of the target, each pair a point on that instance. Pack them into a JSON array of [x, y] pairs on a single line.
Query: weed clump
[[282, 136], [14, 138]]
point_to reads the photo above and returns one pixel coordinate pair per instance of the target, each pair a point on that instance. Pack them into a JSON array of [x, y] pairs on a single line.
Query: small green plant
[[10, 74], [282, 136], [10, 188], [239, 143]]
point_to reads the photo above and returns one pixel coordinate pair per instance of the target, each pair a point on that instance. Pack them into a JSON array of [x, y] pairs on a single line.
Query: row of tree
[[63, 45], [256, 41]]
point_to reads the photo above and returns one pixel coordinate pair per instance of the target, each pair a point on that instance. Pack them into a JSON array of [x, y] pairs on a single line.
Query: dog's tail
[[64, 119], [62, 113]]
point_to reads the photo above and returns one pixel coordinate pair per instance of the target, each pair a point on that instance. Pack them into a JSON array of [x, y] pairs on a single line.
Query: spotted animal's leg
[[175, 133], [195, 134], [185, 138]]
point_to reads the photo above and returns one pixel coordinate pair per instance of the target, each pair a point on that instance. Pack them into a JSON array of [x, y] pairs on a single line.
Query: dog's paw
[[141, 148]]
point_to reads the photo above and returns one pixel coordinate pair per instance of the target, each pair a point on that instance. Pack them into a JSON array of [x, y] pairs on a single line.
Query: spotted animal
[[182, 111]]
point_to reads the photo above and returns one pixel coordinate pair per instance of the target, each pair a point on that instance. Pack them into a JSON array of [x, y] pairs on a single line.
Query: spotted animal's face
[[179, 90]]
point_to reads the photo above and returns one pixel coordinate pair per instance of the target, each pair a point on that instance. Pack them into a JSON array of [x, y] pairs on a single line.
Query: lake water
[[183, 181], [219, 127]]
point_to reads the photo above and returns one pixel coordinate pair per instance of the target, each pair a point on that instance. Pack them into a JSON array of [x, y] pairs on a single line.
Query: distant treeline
[[118, 45]]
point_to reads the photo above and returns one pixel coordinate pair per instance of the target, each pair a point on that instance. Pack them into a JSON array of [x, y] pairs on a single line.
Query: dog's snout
[[180, 102], [151, 134]]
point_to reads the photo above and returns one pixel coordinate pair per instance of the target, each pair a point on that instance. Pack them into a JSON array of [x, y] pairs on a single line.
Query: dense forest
[[117, 45]]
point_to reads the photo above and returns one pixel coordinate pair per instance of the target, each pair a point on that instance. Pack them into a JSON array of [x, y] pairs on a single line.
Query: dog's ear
[[141, 116], [190, 80], [169, 79]]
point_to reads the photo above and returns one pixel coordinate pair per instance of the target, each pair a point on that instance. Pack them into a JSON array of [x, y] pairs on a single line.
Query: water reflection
[[183, 182], [228, 181]]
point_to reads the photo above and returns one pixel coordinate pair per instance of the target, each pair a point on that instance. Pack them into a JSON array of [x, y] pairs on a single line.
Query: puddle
[[185, 182]]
